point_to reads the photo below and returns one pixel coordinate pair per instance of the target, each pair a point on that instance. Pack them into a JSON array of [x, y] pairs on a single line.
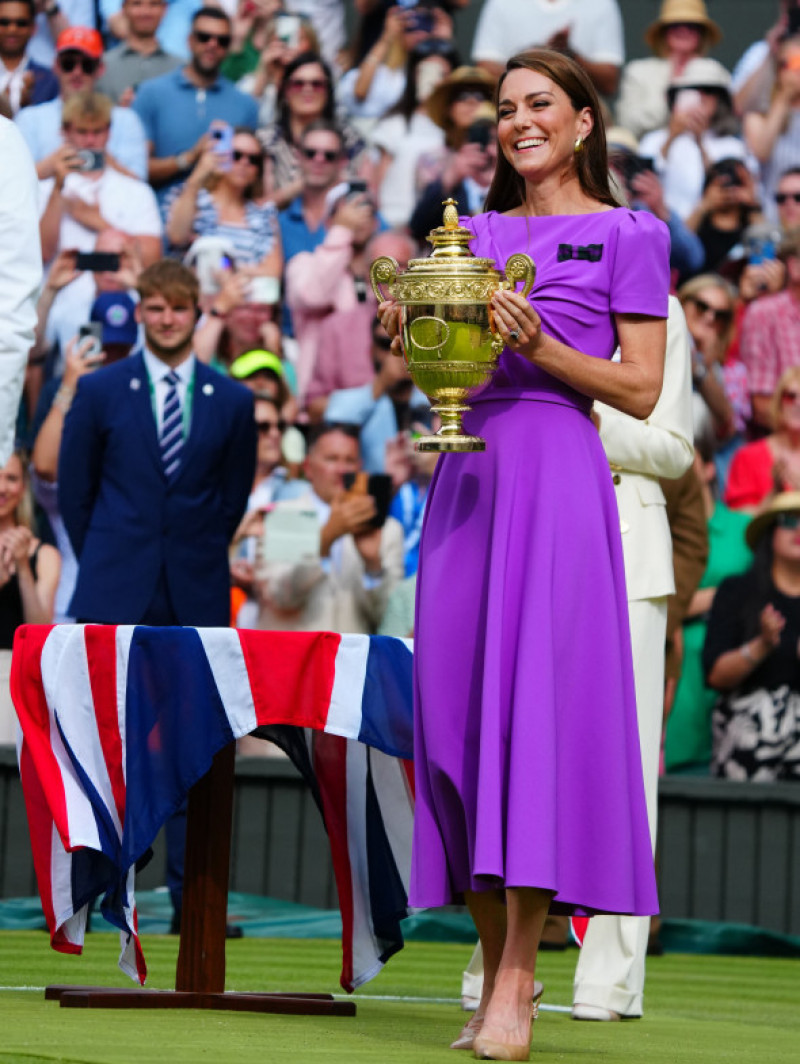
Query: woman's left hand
[[517, 323]]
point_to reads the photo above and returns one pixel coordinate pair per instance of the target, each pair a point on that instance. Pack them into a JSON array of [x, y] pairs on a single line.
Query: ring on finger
[[513, 334]]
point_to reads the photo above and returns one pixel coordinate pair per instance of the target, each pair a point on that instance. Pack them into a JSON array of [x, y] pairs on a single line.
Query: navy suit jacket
[[127, 523]]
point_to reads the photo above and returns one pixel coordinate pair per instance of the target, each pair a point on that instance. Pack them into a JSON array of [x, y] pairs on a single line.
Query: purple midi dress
[[527, 763]]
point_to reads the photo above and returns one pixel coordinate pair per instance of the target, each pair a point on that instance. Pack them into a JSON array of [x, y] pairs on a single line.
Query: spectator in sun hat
[[78, 66], [751, 653], [682, 32]]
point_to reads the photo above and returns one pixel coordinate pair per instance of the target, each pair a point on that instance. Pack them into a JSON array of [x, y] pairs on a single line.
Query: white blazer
[[644, 451]]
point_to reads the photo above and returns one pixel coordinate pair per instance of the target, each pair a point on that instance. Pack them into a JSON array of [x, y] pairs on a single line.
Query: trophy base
[[454, 443]]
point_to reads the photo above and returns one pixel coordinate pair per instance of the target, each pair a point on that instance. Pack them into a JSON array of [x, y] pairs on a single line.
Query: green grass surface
[[698, 1009]]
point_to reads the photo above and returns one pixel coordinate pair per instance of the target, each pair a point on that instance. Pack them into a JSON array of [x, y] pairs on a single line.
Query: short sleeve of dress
[[640, 273]]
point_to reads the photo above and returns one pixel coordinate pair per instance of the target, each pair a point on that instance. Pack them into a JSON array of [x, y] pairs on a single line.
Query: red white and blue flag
[[119, 722]]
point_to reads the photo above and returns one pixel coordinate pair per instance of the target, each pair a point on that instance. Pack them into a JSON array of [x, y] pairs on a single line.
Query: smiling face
[[168, 325], [537, 125], [12, 487], [307, 91], [16, 29]]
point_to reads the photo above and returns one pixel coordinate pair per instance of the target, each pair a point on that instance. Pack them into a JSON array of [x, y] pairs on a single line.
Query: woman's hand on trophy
[[517, 322], [390, 315]]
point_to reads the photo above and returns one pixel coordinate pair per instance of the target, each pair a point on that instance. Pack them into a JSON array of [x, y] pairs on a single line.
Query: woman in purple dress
[[528, 775]]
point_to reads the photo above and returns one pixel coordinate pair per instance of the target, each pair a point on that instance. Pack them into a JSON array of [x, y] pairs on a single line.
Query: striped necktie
[[171, 440]]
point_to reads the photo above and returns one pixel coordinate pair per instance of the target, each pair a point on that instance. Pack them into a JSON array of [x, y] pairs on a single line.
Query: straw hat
[[785, 502], [462, 79], [675, 11]]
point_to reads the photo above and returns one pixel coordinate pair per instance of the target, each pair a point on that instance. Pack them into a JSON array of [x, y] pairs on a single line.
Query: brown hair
[[591, 162], [170, 279]]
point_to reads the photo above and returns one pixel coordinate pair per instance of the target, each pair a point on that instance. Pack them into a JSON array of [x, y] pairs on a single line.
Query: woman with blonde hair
[[773, 463], [721, 394], [29, 571]]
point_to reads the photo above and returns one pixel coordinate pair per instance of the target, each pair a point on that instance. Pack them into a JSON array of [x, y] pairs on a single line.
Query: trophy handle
[[520, 267], [382, 272]]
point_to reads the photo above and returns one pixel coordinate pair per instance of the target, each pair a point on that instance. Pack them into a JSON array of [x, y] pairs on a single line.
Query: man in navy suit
[[157, 461]]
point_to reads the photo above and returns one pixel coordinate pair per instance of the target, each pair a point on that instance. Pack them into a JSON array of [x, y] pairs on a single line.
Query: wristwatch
[[183, 160]]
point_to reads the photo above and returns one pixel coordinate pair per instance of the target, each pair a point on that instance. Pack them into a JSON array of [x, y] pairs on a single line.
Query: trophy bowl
[[451, 346]]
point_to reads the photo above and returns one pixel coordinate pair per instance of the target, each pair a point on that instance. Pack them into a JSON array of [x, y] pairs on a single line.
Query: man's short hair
[[170, 279], [209, 11], [324, 125], [319, 432], [86, 106]]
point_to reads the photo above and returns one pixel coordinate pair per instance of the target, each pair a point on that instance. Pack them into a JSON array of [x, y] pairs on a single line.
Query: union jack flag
[[118, 722]]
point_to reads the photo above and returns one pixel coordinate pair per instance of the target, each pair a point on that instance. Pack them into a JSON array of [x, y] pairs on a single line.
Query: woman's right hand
[[207, 165], [76, 364], [771, 622]]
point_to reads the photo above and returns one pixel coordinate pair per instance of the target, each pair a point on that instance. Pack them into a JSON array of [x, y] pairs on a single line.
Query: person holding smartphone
[[89, 192], [360, 561]]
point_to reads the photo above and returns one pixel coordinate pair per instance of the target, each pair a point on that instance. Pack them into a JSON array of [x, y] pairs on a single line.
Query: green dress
[[687, 746]]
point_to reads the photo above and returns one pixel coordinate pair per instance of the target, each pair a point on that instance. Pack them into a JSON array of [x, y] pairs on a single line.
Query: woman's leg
[[508, 1009], [488, 911]]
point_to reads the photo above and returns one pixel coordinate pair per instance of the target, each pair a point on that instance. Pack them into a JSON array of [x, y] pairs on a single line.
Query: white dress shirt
[[158, 372]]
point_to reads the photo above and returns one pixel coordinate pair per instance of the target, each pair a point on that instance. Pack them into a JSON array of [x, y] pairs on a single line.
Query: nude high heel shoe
[[485, 1049], [472, 1028]]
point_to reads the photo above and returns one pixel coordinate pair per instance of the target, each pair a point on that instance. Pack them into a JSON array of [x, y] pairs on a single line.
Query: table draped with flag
[[118, 722]]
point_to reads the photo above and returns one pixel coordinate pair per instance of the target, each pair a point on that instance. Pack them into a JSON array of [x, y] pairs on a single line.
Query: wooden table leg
[[200, 974], [201, 957]]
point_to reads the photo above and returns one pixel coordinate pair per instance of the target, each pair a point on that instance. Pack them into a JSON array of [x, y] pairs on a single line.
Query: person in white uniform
[[20, 274]]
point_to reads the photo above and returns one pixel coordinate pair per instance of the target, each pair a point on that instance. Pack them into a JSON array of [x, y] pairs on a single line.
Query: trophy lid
[[450, 240]]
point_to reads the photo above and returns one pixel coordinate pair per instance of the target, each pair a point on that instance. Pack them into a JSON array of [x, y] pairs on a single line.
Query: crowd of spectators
[[251, 140]]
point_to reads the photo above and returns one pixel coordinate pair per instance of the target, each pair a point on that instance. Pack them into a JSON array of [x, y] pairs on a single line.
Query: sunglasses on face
[[19, 23], [312, 84], [319, 153], [222, 39], [721, 317], [469, 96], [265, 427], [69, 61], [791, 521], [783, 197], [253, 158], [382, 341]]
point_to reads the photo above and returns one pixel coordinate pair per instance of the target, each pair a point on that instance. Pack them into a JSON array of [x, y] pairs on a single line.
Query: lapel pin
[[208, 389], [135, 384]]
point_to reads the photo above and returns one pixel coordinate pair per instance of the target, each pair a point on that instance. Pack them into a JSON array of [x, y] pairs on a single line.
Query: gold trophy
[[451, 346]]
